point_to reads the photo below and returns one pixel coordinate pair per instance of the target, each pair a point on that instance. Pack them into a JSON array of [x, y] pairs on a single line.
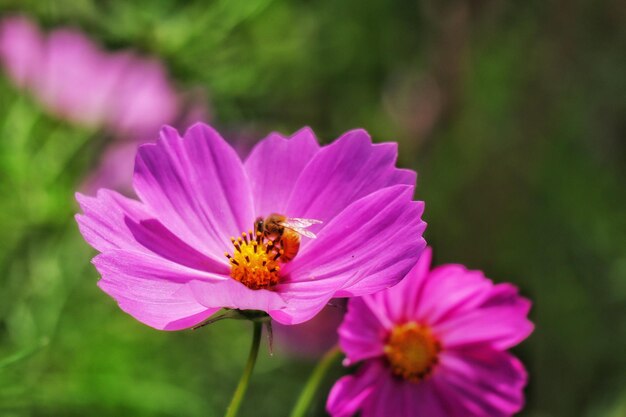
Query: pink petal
[[507, 295], [375, 392], [233, 294], [422, 399], [21, 49], [400, 302], [363, 332], [144, 99], [449, 291], [395, 397], [274, 166], [103, 224], [499, 327], [153, 290], [72, 63], [346, 260], [349, 392], [481, 383], [111, 221], [301, 306], [386, 399], [368, 247], [343, 172], [101, 80], [198, 187]]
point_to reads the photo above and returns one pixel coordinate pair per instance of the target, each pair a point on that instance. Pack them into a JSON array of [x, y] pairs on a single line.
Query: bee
[[287, 231]]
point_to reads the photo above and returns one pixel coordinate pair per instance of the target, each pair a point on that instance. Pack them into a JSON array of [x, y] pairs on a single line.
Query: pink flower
[[311, 339], [21, 49], [434, 345], [73, 78], [172, 259]]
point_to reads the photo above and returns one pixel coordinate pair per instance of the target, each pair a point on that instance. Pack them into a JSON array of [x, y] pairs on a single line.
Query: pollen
[[255, 260], [412, 351]]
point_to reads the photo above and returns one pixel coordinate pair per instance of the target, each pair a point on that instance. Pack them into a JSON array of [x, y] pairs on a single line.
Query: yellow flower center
[[254, 261], [412, 351]]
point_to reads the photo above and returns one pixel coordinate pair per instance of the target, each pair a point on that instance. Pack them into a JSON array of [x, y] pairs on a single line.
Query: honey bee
[[287, 231]]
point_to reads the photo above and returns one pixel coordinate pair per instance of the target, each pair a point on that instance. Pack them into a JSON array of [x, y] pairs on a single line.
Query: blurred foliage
[[512, 113]]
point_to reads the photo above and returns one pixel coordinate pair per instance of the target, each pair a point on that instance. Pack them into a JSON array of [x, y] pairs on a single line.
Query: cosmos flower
[[194, 242], [74, 79], [434, 345]]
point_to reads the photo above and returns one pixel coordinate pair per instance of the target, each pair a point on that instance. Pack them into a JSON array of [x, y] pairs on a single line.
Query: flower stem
[[240, 391], [317, 376]]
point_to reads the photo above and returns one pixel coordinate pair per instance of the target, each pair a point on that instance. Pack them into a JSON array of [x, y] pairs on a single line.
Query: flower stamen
[[255, 260], [412, 351]]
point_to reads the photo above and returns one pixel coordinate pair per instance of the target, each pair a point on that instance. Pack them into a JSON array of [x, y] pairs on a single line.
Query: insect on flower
[[286, 231]]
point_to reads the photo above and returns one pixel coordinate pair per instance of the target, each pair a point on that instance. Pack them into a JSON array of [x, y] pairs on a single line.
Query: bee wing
[[300, 225], [302, 232]]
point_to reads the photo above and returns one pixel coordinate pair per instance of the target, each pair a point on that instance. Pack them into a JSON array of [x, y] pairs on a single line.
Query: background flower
[[310, 339], [434, 345], [77, 80], [72, 77]]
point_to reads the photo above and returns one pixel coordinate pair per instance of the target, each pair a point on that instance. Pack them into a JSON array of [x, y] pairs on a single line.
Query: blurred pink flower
[[115, 170], [21, 49], [434, 345], [73, 78], [314, 337]]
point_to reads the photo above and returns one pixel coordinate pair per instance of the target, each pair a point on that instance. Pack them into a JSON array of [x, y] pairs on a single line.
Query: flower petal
[[386, 399], [112, 221], [368, 247], [153, 290], [398, 398], [362, 333], [347, 259], [145, 99], [21, 49], [400, 302], [507, 295], [233, 294], [481, 383], [343, 172], [103, 224], [304, 306], [449, 291], [422, 399], [197, 185], [274, 166], [500, 327], [349, 392]]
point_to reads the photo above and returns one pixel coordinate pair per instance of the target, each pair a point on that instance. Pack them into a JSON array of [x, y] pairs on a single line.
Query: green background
[[513, 113]]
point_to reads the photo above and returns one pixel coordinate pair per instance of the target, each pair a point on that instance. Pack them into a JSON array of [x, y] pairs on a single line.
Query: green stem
[[240, 391], [310, 389]]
